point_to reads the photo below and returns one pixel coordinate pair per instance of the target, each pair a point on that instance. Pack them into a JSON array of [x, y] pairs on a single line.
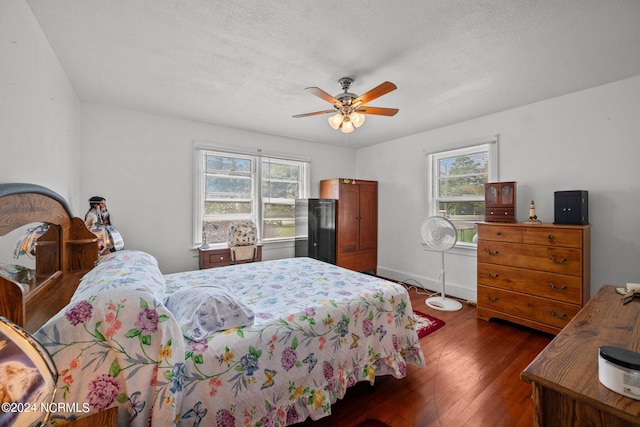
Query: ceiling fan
[[350, 108]]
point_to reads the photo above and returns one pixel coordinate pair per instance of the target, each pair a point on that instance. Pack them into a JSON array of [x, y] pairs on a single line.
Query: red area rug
[[426, 324], [372, 423]]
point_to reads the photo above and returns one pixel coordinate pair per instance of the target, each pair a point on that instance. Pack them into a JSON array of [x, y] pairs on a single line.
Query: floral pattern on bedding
[[318, 329], [120, 348]]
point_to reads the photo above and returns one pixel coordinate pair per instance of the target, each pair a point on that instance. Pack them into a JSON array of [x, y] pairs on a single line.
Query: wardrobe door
[[368, 216], [348, 222]]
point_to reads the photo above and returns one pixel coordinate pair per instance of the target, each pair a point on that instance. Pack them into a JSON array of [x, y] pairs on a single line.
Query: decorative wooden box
[[500, 202]]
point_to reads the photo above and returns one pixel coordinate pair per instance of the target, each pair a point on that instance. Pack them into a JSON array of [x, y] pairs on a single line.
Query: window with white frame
[[457, 191], [232, 187]]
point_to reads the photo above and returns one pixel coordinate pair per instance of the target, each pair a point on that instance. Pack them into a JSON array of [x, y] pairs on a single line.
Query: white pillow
[[123, 270], [202, 310]]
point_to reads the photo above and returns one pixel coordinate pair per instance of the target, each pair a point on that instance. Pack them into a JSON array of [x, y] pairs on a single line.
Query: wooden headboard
[[63, 254]]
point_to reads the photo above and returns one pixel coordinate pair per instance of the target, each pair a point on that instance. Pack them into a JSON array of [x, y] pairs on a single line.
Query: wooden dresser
[[566, 388], [533, 275], [221, 257], [106, 418]]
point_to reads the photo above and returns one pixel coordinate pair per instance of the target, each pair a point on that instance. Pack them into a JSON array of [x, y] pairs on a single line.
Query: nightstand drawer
[[221, 257], [218, 257]]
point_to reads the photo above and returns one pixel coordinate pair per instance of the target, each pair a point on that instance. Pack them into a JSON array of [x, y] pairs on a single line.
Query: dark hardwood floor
[[472, 378]]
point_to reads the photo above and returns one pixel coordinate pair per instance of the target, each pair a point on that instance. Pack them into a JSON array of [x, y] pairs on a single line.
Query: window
[[457, 191], [232, 187]]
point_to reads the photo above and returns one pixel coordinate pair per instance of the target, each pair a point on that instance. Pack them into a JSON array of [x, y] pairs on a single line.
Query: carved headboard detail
[[63, 254]]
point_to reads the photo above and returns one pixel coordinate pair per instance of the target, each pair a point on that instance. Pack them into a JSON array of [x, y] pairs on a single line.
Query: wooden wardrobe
[[356, 221]]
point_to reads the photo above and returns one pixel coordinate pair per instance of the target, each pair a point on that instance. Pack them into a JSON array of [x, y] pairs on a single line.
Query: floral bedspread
[[317, 329]]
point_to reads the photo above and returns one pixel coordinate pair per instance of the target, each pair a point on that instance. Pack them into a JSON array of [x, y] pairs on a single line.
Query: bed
[[260, 344]]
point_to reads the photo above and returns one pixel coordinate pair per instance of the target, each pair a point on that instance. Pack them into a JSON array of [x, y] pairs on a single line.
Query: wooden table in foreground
[[106, 418], [566, 389]]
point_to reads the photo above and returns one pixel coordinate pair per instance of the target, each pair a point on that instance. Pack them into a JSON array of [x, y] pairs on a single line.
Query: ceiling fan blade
[[378, 111], [315, 113], [324, 95], [376, 92]]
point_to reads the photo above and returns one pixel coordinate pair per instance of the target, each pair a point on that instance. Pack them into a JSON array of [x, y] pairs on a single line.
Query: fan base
[[443, 304]]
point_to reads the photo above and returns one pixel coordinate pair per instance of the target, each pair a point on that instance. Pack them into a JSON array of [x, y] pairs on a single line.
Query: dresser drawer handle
[[492, 299], [557, 261], [557, 288], [550, 236], [498, 233], [492, 276], [490, 252], [559, 316]]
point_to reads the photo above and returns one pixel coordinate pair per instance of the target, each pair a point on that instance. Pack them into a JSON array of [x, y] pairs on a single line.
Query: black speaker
[[571, 207]]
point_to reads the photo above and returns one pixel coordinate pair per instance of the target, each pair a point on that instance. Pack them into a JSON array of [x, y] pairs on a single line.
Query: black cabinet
[[571, 207], [315, 229]]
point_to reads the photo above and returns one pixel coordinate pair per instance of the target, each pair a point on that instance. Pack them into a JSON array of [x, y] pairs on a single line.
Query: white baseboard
[[455, 290]]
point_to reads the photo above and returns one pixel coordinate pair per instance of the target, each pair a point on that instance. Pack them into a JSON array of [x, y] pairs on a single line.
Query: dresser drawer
[[552, 236], [499, 233], [533, 257], [560, 287], [547, 311], [499, 214]]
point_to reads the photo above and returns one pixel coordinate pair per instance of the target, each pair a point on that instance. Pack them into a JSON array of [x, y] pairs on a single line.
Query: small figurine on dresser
[[533, 218]]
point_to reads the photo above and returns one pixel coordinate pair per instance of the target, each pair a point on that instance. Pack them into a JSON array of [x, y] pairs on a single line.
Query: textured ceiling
[[245, 64]]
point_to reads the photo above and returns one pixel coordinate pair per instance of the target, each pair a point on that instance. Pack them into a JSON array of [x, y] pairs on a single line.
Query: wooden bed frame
[[63, 254]]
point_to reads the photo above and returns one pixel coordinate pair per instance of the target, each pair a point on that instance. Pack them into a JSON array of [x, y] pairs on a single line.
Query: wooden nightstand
[[221, 257], [105, 418]]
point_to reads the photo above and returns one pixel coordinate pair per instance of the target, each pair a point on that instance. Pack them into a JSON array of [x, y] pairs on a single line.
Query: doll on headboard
[[97, 211], [98, 221]]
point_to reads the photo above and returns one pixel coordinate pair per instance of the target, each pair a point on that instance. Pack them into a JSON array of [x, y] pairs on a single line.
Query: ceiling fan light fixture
[[350, 109], [347, 127], [335, 121], [357, 119]]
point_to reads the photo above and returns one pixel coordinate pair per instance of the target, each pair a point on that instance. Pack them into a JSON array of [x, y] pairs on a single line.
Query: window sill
[[469, 250], [280, 243]]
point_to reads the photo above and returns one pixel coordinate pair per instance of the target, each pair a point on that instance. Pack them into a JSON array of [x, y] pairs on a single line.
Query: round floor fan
[[440, 235]]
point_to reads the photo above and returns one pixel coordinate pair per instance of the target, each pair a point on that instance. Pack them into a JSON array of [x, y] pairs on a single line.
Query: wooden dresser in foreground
[[564, 376], [106, 418], [536, 275]]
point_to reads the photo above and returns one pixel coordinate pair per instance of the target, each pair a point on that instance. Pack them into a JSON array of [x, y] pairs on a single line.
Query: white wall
[[142, 164], [589, 140], [39, 111]]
